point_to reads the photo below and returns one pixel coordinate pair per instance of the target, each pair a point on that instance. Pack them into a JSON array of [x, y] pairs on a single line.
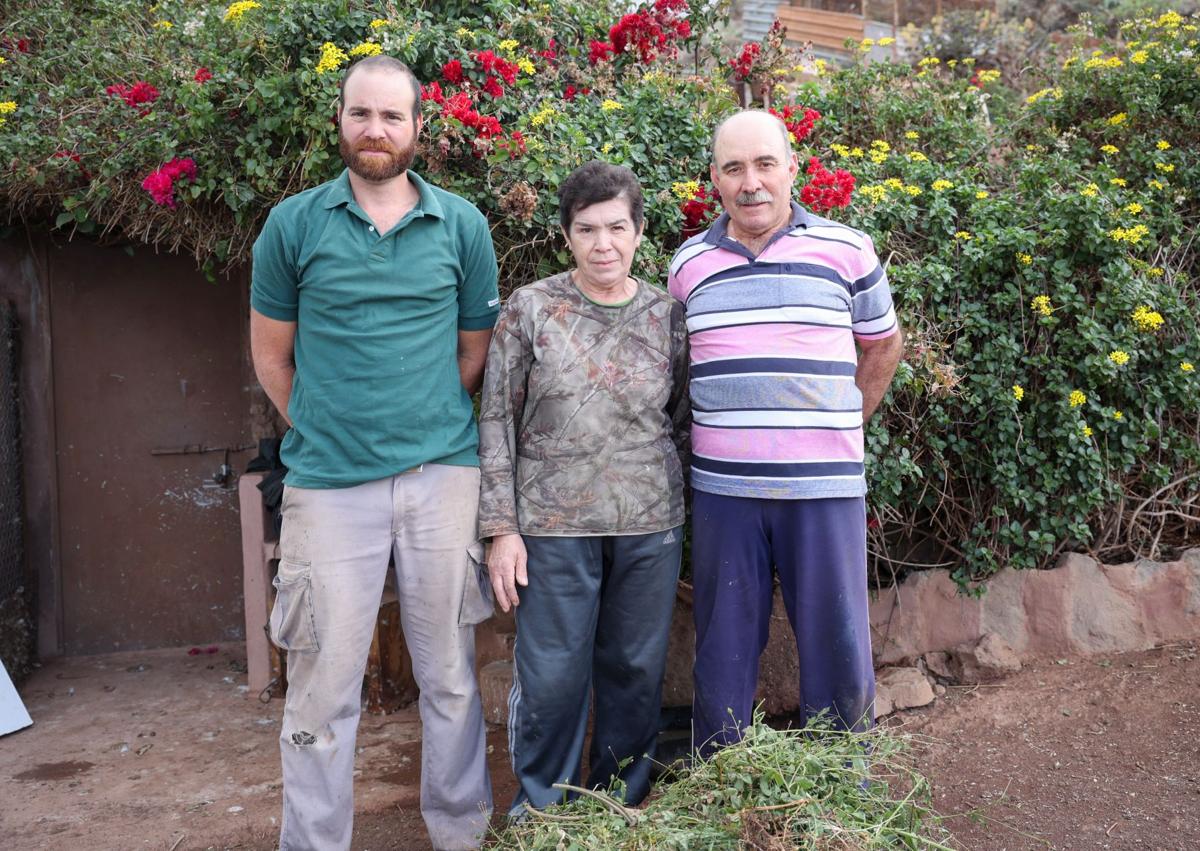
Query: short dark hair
[[594, 183], [382, 62]]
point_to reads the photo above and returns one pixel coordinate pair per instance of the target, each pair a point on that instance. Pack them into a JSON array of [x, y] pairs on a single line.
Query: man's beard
[[376, 168]]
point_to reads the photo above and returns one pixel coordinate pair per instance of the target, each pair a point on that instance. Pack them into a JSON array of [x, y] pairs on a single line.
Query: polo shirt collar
[[719, 229], [342, 194]]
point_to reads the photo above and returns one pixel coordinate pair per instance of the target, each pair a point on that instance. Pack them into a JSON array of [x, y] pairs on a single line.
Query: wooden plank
[[824, 29], [256, 578]]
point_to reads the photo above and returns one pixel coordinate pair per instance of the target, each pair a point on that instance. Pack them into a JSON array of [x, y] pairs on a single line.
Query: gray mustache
[[762, 196]]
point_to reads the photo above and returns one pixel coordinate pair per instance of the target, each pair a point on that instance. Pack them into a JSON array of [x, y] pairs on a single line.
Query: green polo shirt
[[377, 388]]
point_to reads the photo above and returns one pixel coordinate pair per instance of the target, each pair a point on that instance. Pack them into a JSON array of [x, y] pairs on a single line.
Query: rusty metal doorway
[[149, 374]]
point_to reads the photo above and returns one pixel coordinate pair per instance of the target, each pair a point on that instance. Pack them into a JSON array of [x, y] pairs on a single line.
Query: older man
[[373, 299], [777, 299]]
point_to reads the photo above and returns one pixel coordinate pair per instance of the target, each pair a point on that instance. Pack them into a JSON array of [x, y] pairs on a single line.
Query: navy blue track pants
[[592, 624], [818, 549]]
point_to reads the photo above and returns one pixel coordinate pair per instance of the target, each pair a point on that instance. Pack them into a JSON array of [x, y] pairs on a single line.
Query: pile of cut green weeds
[[816, 788]]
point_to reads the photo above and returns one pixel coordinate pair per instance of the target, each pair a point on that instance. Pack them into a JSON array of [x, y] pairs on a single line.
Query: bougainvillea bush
[[1038, 233]]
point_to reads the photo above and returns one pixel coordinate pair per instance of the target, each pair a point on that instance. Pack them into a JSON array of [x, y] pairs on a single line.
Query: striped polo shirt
[[776, 413]]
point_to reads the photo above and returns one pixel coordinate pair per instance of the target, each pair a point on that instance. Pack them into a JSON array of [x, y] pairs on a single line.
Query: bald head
[[755, 122]]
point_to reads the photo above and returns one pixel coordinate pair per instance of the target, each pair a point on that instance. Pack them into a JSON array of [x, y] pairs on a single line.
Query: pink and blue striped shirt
[[776, 413]]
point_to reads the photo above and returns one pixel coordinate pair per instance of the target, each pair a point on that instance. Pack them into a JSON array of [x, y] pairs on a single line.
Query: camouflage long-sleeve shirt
[[584, 424]]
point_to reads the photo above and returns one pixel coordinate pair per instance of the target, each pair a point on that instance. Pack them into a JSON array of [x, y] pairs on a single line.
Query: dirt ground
[[163, 750]]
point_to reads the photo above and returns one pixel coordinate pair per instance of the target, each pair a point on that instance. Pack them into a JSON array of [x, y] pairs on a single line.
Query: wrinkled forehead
[[379, 87], [750, 136]]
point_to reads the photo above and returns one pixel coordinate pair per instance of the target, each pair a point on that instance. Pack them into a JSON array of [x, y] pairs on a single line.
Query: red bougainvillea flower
[[490, 63], [138, 94], [743, 63], [550, 54], [652, 31], [202, 75], [433, 92], [697, 210], [20, 45], [598, 51], [799, 120], [452, 71], [825, 189], [160, 183], [492, 86], [161, 188], [515, 144]]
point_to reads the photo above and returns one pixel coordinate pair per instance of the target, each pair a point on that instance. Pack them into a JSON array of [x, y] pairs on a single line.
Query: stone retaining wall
[[1079, 608]]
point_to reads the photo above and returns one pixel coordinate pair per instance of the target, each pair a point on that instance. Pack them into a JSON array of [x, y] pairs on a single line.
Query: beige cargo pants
[[334, 557]]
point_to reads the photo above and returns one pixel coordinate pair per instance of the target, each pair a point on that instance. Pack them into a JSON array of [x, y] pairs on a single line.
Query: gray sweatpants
[[335, 547]]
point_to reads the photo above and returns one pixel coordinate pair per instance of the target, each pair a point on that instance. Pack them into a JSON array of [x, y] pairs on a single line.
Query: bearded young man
[[372, 304], [793, 343]]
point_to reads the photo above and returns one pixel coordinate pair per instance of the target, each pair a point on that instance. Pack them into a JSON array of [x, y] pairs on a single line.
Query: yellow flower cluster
[[857, 152], [1155, 271], [686, 190], [981, 194], [900, 186], [912, 134], [1163, 145], [526, 65], [463, 32], [1025, 259], [917, 157], [545, 114], [1133, 209], [1165, 168], [1118, 119], [508, 45], [929, 61], [378, 23], [1117, 415], [1077, 398], [941, 185], [1156, 184], [1098, 62], [332, 58], [367, 48], [236, 10], [1055, 93], [1169, 20], [1119, 181], [1087, 431], [8, 107], [1131, 235], [163, 25], [610, 105], [964, 235], [874, 193], [866, 44], [988, 75], [885, 41], [879, 151], [1090, 191], [1041, 305], [839, 149], [1147, 320], [1018, 392], [1186, 366], [1139, 57], [1119, 357], [1110, 149]]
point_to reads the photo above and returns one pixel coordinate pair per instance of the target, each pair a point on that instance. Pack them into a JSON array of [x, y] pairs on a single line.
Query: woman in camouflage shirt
[[583, 433]]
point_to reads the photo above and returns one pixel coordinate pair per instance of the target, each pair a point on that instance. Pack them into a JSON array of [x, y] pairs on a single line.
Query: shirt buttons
[[371, 228]]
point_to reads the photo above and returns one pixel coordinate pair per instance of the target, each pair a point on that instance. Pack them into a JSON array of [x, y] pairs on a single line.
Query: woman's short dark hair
[[594, 183]]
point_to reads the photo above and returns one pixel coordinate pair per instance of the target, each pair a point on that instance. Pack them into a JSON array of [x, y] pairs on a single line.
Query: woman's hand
[[506, 566]]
